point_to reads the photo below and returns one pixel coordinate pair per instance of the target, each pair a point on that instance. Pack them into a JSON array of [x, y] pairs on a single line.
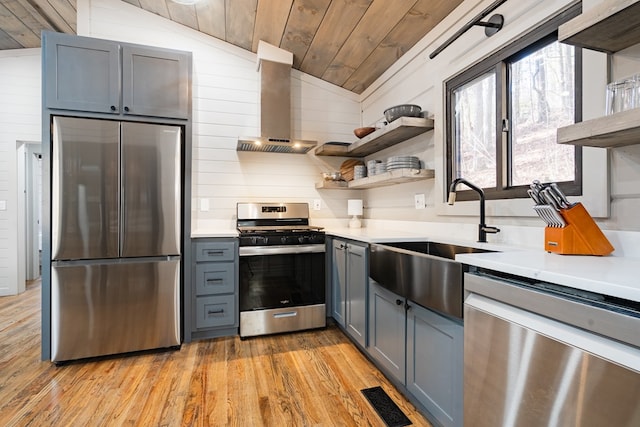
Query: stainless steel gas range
[[282, 269]]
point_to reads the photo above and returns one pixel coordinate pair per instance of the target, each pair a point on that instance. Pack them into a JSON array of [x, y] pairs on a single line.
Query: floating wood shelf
[[332, 185], [608, 27], [395, 176], [616, 130], [394, 133]]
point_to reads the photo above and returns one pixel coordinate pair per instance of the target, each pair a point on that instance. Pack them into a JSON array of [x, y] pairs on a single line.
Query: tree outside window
[[503, 114]]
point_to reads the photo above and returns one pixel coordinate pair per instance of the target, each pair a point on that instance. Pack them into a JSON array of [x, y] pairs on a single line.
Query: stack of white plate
[[381, 168], [359, 172], [371, 167], [403, 162]]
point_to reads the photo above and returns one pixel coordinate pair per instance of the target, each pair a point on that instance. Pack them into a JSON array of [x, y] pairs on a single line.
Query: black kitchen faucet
[[483, 228]]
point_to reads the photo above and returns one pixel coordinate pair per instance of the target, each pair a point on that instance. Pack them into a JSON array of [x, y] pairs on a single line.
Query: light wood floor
[[302, 379]]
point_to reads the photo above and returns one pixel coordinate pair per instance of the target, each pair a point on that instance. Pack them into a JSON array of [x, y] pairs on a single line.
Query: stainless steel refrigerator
[[116, 232]]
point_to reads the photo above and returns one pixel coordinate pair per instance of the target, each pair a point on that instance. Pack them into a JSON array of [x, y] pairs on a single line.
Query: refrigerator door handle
[[122, 219]]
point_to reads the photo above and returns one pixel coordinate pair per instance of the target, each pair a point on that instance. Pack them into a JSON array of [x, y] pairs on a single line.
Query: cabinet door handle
[[126, 109], [217, 311], [113, 108]]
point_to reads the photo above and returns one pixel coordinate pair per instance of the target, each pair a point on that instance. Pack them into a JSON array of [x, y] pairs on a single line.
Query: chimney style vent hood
[[275, 105]]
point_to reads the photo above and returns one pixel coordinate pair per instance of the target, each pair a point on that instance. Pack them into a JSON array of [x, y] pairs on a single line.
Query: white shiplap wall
[[19, 121], [417, 79], [225, 106]]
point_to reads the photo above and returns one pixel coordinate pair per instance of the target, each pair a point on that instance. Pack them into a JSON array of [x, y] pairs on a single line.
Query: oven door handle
[[280, 250]]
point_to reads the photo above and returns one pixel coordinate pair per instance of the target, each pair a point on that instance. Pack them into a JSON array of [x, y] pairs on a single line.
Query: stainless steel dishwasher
[[539, 354]]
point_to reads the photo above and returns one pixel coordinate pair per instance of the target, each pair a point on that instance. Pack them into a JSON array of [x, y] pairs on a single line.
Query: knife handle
[[558, 192]]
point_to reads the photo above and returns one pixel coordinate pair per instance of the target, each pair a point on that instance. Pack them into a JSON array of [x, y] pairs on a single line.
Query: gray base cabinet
[[421, 350], [435, 363], [349, 274], [214, 308], [387, 330], [338, 279], [102, 76]]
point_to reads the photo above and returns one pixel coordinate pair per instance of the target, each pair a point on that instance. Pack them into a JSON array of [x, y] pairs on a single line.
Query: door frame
[[30, 206]]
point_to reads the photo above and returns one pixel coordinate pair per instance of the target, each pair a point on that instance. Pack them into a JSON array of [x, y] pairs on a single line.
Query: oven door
[[282, 288]]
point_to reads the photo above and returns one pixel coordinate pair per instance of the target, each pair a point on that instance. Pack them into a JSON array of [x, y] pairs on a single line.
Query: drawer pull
[[217, 311], [215, 280], [214, 253]]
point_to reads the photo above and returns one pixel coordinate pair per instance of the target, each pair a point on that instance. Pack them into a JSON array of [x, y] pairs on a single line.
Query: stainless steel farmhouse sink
[[424, 272]]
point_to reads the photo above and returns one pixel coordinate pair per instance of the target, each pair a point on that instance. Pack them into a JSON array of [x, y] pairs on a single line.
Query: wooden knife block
[[581, 236]]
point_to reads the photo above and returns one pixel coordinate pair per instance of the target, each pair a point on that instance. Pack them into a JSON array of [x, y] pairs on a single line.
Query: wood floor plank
[[299, 379]]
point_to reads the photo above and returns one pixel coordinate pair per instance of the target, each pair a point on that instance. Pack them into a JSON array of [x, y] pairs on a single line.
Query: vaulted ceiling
[[349, 43]]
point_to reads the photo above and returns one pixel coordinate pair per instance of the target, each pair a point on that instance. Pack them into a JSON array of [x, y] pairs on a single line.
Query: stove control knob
[[303, 239], [283, 239]]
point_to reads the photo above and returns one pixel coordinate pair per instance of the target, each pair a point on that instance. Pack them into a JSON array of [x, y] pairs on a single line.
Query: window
[[503, 114]]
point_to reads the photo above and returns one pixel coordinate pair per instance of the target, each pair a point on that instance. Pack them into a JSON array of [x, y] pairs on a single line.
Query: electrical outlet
[[317, 204], [204, 205], [419, 201]]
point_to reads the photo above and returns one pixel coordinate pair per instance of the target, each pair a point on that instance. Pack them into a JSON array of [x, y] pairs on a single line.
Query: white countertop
[[609, 275], [614, 276], [214, 232], [375, 235]]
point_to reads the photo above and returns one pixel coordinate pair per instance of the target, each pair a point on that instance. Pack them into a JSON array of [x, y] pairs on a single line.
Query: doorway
[[32, 173]]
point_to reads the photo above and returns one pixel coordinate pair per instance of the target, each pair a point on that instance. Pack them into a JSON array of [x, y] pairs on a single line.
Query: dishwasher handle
[[590, 317]]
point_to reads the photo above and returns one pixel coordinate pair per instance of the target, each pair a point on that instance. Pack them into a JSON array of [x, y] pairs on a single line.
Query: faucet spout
[[483, 229]]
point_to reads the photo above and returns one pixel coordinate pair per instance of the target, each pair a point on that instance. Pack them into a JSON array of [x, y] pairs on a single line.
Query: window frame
[[498, 64]]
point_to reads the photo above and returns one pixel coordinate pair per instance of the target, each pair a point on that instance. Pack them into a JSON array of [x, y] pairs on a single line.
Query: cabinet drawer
[[215, 311], [215, 278], [215, 251]]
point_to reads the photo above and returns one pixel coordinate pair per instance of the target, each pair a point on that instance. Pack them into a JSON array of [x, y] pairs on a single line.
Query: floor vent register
[[386, 407]]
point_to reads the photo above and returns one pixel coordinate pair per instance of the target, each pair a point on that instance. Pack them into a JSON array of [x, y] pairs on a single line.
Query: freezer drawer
[[108, 308]]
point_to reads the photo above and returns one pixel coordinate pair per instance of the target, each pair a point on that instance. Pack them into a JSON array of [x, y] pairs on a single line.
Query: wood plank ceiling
[[349, 43]]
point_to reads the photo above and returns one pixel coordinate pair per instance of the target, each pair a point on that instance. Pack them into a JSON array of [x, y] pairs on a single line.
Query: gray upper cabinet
[[102, 76], [82, 74], [155, 82]]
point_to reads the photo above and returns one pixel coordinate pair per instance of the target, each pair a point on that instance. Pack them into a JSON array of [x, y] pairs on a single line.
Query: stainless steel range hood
[[275, 106]]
